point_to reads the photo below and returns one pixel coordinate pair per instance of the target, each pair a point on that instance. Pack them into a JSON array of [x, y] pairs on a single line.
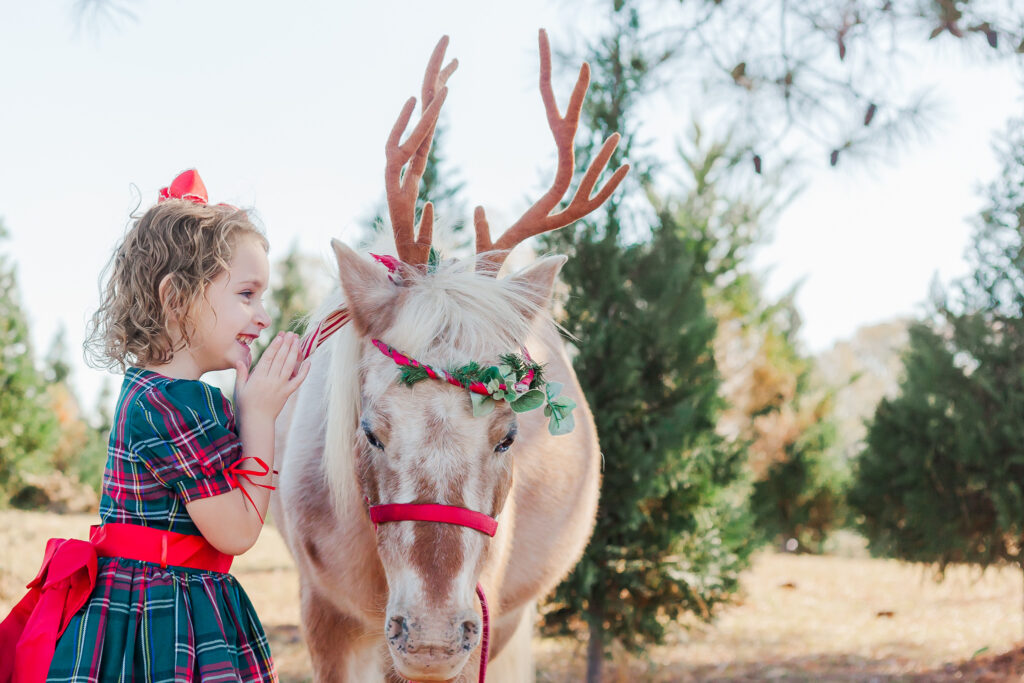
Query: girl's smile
[[229, 317]]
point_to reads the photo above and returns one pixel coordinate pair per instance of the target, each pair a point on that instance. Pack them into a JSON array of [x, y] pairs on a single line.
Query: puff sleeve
[[183, 432]]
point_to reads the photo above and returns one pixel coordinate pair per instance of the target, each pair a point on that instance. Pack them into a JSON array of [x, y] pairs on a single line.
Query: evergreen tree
[[88, 468], [292, 297], [28, 428], [672, 533], [799, 483], [58, 368], [801, 496], [942, 474], [105, 409]]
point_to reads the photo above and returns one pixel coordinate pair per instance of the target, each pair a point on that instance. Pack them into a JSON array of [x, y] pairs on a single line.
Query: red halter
[[445, 514]]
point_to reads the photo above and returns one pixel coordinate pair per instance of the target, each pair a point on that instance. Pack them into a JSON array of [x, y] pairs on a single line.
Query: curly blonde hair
[[189, 244]]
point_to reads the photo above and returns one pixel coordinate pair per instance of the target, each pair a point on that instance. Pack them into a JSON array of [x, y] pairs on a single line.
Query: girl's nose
[[262, 319]]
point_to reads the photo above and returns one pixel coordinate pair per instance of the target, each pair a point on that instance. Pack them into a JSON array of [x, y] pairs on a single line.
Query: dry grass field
[[799, 618]]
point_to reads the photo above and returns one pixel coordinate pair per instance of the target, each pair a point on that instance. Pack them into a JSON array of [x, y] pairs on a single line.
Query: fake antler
[[538, 218], [413, 244]]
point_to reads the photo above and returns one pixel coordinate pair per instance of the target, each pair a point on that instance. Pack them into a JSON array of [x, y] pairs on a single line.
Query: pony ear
[[536, 282], [370, 293]]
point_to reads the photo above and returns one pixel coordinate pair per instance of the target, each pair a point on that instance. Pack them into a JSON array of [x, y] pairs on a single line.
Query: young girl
[[148, 598]]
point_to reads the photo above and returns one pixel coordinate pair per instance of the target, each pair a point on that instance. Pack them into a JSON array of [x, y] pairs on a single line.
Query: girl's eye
[[506, 443], [247, 294]]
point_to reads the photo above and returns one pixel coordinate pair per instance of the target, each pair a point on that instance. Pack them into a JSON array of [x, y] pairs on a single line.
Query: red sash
[[28, 636]]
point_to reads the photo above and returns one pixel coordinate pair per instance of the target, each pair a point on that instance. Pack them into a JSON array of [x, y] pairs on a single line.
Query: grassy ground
[[800, 618]]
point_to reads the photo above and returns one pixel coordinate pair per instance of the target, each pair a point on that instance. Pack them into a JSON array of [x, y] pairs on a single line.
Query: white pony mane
[[449, 317]]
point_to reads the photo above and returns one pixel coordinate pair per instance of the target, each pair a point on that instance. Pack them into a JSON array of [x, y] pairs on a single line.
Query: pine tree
[[292, 297], [821, 81], [28, 429], [784, 421], [57, 366], [941, 479], [671, 534]]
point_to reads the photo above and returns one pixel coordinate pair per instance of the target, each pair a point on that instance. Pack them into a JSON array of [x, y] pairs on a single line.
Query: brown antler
[[402, 188], [538, 218]]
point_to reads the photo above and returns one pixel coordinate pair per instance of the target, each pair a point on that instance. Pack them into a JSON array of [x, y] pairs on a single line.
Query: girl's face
[[231, 316]]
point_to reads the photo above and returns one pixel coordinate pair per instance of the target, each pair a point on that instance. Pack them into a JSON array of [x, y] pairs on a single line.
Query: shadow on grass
[[815, 668], [568, 666]]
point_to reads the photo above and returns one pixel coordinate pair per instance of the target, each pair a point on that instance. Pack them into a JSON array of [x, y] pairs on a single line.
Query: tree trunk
[[595, 646]]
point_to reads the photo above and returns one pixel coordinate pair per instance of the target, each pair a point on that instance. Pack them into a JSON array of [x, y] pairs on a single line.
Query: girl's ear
[[169, 298], [370, 293]]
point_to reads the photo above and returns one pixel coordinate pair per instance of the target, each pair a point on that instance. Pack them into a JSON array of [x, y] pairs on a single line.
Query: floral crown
[[516, 379]]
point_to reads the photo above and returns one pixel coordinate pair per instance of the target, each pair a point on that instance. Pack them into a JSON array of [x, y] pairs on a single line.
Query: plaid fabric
[[150, 625], [170, 443]]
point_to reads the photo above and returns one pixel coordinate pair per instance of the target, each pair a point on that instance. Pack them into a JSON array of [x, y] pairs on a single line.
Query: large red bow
[[29, 634], [188, 186]]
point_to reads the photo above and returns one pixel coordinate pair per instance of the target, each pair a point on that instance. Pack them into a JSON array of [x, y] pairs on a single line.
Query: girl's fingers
[[284, 360], [267, 359], [299, 376]]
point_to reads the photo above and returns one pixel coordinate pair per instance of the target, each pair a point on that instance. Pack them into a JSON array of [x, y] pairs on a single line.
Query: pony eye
[[506, 443], [371, 437]]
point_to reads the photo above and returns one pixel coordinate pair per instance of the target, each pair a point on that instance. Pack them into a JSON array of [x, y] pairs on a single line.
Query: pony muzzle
[[429, 647]]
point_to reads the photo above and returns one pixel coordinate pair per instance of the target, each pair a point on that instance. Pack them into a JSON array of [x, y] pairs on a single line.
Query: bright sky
[[287, 111]]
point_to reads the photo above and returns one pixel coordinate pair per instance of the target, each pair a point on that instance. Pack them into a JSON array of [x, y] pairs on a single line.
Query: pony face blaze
[[422, 445]]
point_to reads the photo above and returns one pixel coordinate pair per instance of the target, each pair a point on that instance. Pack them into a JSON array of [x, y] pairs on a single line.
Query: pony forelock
[[448, 317]]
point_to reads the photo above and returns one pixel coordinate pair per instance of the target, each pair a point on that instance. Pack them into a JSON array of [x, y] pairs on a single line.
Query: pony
[[426, 518]]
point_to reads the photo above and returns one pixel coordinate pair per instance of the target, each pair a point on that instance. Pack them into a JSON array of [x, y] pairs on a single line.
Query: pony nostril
[[398, 631], [470, 634]]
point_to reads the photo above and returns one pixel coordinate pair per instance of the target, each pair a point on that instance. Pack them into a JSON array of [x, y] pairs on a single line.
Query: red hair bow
[[188, 186]]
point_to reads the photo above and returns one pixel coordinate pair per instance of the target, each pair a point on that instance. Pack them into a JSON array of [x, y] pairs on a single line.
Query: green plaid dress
[[169, 445]]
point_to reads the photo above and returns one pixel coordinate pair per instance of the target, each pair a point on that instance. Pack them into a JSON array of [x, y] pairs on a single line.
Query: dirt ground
[[799, 618]]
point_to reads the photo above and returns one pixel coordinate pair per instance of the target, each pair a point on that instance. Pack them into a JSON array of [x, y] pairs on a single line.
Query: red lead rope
[[446, 514], [485, 642]]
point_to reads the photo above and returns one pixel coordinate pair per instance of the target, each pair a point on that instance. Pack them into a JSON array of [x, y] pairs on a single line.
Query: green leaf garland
[[510, 371]]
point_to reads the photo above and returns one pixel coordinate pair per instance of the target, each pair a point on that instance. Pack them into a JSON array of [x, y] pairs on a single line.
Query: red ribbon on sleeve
[[235, 472]]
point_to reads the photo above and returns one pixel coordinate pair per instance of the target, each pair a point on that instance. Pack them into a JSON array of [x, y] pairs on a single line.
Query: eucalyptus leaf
[[565, 403], [553, 389], [528, 401], [557, 427], [482, 405]]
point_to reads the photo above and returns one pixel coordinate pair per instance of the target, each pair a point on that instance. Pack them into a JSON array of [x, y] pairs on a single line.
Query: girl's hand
[[263, 392]]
